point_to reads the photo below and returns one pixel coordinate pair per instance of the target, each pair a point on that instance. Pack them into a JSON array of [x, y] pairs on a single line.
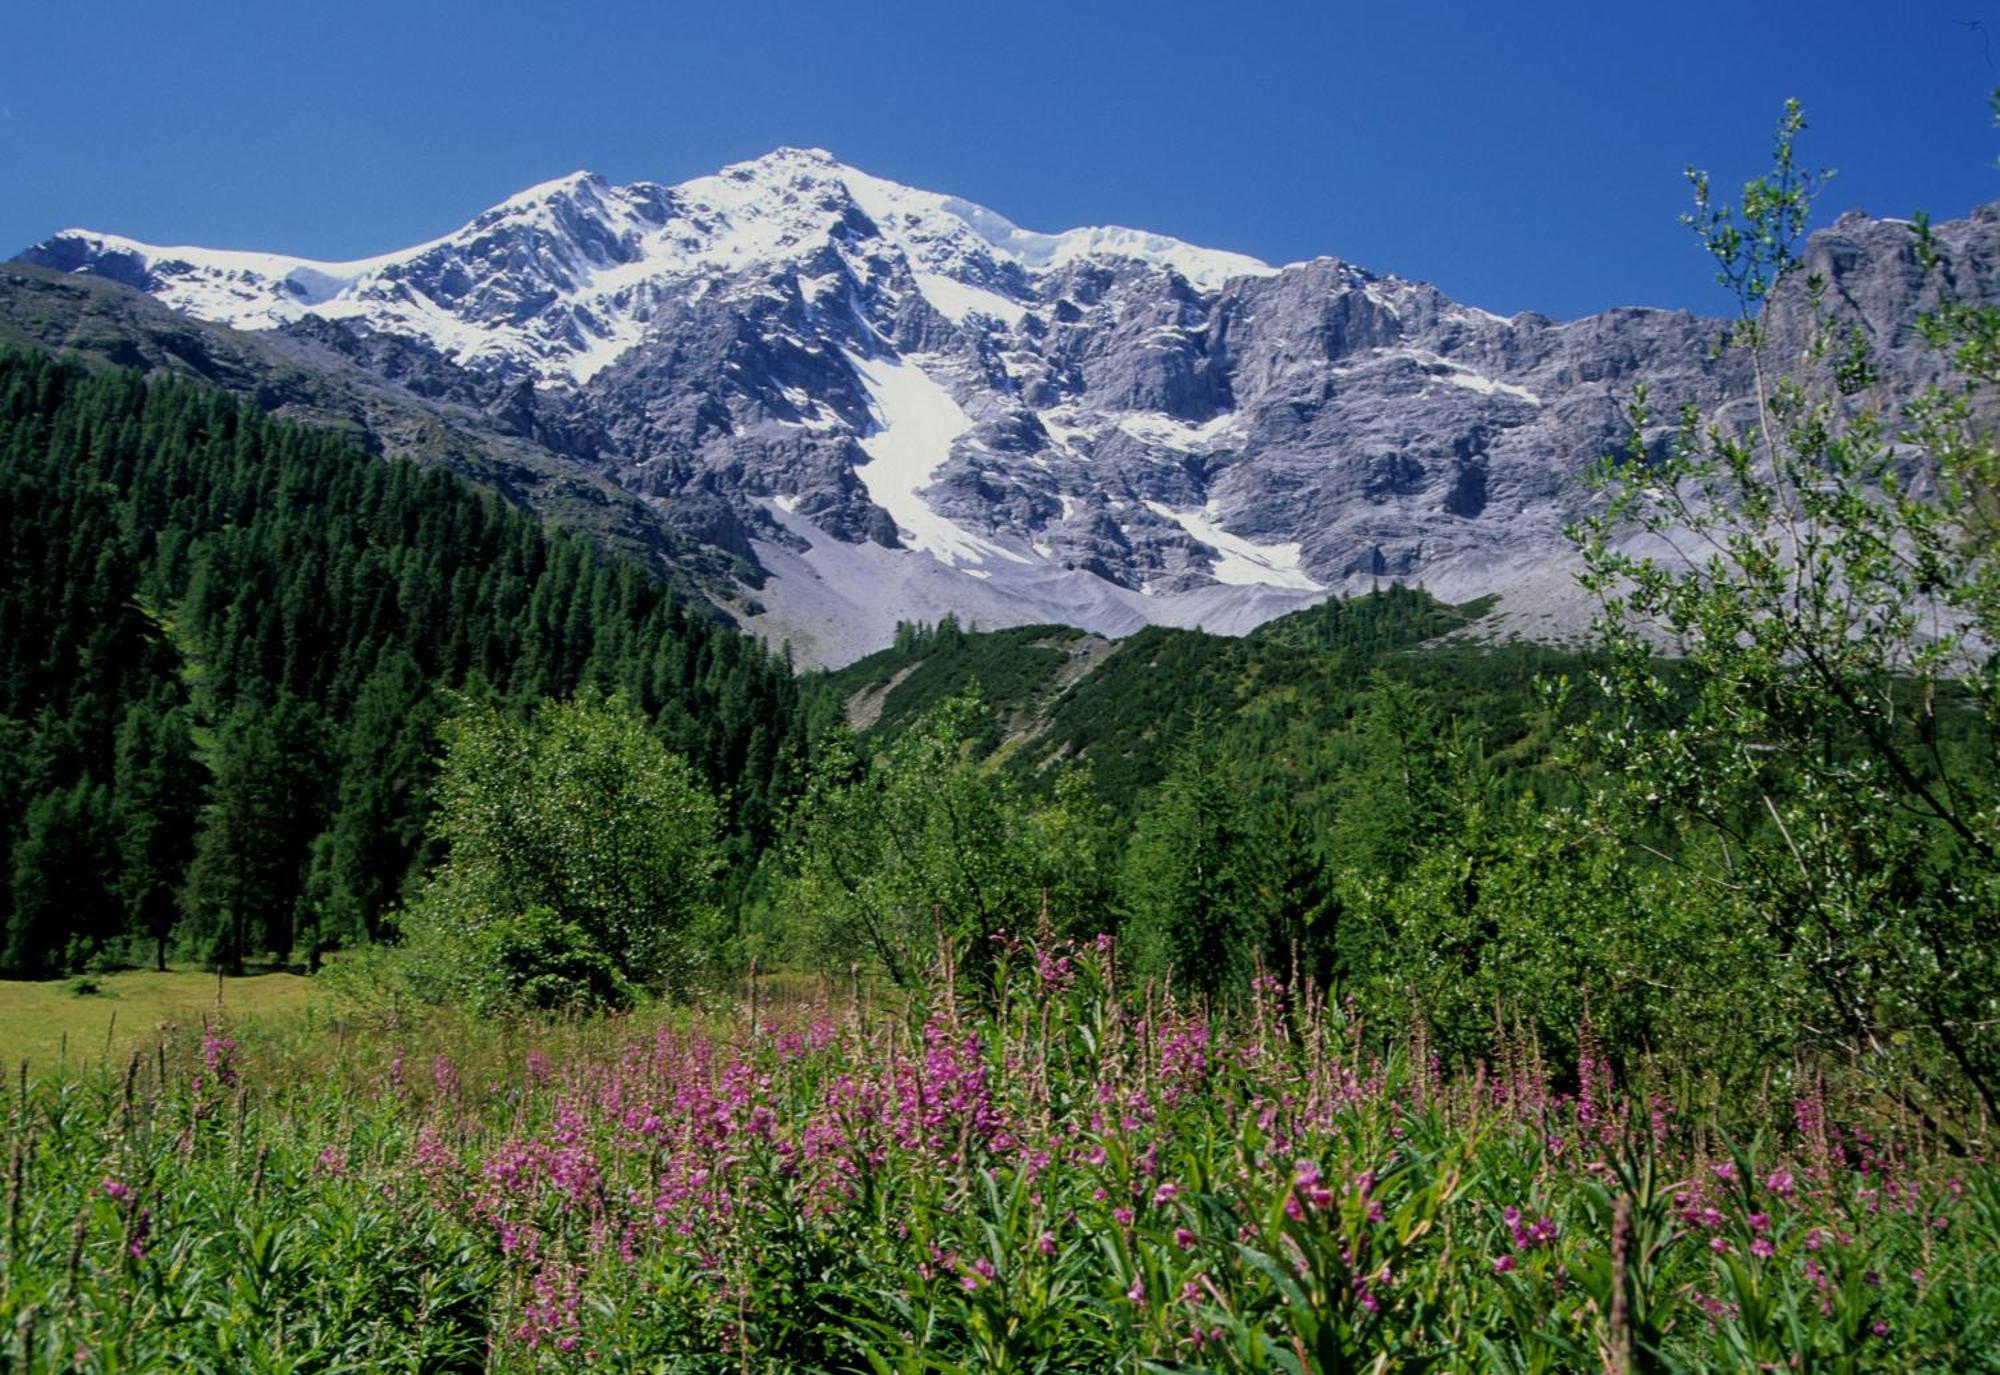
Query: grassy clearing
[[47, 1022]]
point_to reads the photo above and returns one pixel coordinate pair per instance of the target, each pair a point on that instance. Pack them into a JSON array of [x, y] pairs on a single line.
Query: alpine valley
[[830, 403]]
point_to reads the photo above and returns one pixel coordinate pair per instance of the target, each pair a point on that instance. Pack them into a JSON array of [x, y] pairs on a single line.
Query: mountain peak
[[789, 153], [554, 189]]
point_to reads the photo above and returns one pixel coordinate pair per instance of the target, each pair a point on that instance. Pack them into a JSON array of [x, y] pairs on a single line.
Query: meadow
[[1024, 1166], [80, 1023]]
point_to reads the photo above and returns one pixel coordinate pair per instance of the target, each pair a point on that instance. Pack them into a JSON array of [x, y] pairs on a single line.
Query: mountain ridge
[[886, 404], [601, 239]]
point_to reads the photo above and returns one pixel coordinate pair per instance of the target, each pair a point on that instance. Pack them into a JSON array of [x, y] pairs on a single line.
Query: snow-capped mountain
[[889, 403], [565, 277]]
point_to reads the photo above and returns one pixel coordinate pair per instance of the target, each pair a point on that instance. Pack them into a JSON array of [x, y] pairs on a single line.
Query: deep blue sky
[[1522, 155]]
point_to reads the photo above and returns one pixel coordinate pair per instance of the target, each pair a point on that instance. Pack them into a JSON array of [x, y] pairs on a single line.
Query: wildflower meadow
[[1038, 1169]]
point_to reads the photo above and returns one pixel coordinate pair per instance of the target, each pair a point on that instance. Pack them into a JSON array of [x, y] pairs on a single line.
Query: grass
[[50, 1024]]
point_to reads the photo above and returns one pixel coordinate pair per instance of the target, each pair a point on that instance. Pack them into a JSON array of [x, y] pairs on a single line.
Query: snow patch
[[601, 352], [1454, 373], [1381, 298], [1205, 268], [1489, 386], [957, 301], [1065, 435], [1153, 427], [916, 422], [1239, 561]]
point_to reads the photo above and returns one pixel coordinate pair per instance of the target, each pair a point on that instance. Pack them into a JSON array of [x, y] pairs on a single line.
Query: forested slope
[[223, 644], [1276, 698]]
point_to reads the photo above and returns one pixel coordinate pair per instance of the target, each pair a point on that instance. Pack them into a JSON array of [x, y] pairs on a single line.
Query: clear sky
[[1520, 154]]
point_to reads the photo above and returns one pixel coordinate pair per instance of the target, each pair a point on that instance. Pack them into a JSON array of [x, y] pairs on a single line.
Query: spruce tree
[[1188, 883]]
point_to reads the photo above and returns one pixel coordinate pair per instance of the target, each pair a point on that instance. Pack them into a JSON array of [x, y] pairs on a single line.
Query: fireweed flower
[[218, 1052], [1364, 1289], [115, 1189], [1055, 971], [1528, 1235]]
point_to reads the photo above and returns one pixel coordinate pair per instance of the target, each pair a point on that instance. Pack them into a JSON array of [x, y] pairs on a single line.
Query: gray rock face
[[896, 403]]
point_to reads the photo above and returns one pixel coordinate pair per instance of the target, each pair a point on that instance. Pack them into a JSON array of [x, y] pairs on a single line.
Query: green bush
[[539, 962], [578, 812]]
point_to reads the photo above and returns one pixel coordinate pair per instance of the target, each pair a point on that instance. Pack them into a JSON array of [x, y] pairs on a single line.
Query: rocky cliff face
[[891, 403]]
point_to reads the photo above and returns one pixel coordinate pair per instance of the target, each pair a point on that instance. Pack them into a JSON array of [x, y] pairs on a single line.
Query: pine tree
[[362, 861]]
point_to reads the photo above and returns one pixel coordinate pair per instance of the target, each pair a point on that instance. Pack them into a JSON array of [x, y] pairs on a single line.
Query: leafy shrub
[[578, 811], [538, 961]]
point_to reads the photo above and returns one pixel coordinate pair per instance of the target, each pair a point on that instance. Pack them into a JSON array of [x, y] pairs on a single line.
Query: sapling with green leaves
[[1817, 755]]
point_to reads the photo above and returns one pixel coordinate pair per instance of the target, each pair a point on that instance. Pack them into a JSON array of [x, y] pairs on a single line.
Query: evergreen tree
[[1188, 877], [155, 806], [252, 852], [369, 851], [166, 550], [63, 909]]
